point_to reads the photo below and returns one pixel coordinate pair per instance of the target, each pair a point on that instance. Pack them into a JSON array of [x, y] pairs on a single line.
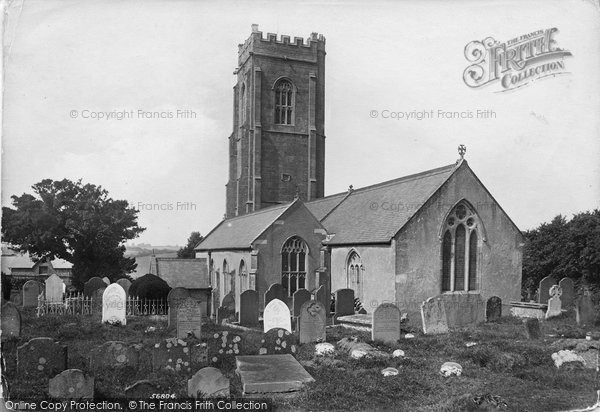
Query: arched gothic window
[[244, 285], [243, 106], [226, 278], [460, 249], [355, 272], [293, 264], [284, 102]]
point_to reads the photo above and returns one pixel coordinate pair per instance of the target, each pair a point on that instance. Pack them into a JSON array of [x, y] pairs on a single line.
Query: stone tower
[[277, 148]]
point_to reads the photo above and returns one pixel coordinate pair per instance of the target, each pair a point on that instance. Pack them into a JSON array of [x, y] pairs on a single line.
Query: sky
[[68, 62]]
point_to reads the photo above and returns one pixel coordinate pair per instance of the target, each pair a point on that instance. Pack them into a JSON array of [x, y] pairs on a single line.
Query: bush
[[149, 286]]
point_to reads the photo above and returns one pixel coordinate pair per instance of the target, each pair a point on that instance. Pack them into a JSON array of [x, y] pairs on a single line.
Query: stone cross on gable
[[462, 149]]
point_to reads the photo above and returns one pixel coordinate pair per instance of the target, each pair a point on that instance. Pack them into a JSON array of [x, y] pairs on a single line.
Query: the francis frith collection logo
[[514, 63]]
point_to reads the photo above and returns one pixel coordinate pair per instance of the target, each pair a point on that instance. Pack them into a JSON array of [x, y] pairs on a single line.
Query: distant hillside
[[144, 249], [144, 263]]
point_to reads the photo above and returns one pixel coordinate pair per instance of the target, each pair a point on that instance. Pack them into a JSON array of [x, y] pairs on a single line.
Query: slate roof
[[321, 207], [239, 232], [185, 273], [15, 260], [374, 214]]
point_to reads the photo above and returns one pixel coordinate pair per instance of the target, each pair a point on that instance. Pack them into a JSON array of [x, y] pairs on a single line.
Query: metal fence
[[78, 304]]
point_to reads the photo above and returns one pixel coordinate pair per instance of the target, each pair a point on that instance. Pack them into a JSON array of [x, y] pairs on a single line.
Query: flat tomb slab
[[271, 373], [528, 310], [358, 319]]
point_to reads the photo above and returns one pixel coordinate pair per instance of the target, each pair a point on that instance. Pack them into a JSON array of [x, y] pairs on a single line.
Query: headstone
[[324, 297], [344, 302], [227, 309], [433, 315], [277, 341], [175, 297], [171, 354], [71, 384], [189, 319], [463, 310], [386, 323], [113, 355], [125, 284], [554, 303], [106, 280], [312, 322], [114, 305], [277, 315], [31, 291], [249, 308], [298, 298], [223, 346], [544, 289], [264, 374], [208, 382], [11, 321], [97, 296], [532, 328], [275, 291], [41, 357], [143, 389], [584, 310], [92, 284], [54, 289], [568, 292], [493, 309]]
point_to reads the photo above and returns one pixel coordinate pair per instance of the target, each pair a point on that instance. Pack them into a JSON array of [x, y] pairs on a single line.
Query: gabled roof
[[322, 207], [239, 232], [185, 273], [374, 214], [14, 260]]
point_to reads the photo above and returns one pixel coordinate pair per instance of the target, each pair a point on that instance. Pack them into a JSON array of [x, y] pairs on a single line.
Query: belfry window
[[293, 265], [284, 102], [460, 249]]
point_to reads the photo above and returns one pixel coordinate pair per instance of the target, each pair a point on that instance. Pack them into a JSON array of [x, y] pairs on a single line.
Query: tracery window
[[293, 264], [284, 102], [355, 273], [244, 283], [460, 249]]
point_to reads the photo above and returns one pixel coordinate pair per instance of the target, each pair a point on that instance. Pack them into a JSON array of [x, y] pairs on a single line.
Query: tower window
[[284, 102], [459, 250]]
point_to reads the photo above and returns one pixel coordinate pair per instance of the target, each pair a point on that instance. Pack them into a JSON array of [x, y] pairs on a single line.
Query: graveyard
[[302, 357]]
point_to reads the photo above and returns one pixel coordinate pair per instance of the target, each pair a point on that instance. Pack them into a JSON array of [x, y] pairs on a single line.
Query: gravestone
[[433, 315], [125, 284], [264, 374], [189, 319], [106, 280], [532, 328], [278, 341], [386, 323], [41, 357], [31, 291], [171, 354], [324, 297], [113, 355], [568, 292], [10, 324], [114, 305], [208, 382], [312, 322], [71, 384], [463, 310], [91, 285], [344, 302], [584, 310], [249, 308], [143, 389], [298, 298], [544, 289], [554, 303], [493, 309], [275, 291], [54, 289], [277, 315], [175, 297], [97, 296], [227, 309], [222, 346]]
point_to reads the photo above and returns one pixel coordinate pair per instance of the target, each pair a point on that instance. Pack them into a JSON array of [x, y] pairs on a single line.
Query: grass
[[504, 371]]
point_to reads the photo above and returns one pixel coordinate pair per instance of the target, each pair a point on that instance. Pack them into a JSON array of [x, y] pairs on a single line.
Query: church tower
[[277, 148]]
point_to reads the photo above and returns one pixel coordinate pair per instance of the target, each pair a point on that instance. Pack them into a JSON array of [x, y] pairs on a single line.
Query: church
[[400, 241]]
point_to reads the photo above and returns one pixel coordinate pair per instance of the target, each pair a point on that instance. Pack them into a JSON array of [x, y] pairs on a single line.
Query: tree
[[76, 222], [188, 252], [564, 248]]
